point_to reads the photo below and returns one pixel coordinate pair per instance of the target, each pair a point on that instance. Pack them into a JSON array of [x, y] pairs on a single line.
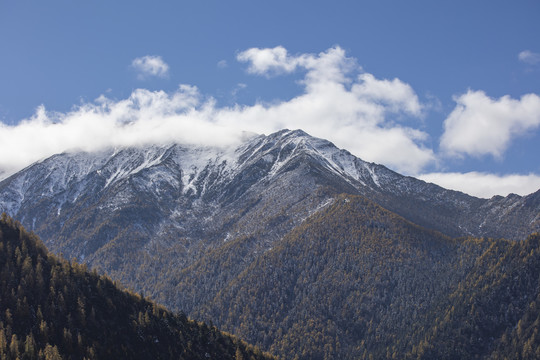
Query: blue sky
[[448, 92]]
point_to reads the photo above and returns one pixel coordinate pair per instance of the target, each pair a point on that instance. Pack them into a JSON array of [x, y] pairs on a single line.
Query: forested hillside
[[495, 311], [54, 309], [356, 281]]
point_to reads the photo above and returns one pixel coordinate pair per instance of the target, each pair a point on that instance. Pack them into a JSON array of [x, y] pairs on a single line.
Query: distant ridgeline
[[54, 309]]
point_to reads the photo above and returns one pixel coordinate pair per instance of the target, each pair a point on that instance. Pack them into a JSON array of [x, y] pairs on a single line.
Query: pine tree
[[29, 347], [14, 346]]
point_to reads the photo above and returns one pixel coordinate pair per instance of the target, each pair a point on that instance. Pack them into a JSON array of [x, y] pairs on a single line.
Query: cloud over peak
[[485, 185], [354, 111], [375, 119], [148, 66]]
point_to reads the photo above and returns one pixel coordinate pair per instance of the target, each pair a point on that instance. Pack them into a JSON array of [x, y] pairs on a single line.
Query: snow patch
[[374, 176]]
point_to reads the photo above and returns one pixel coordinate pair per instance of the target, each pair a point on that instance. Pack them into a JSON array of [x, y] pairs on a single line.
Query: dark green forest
[[54, 309]]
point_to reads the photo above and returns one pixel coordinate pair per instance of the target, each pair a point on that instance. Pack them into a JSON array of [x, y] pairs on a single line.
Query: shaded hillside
[[349, 282], [355, 281], [52, 309], [494, 312]]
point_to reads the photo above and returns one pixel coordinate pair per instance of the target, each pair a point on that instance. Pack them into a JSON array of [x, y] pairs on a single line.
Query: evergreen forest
[[356, 281], [51, 308]]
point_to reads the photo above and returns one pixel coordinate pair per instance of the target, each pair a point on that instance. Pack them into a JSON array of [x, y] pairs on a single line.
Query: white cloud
[[350, 111], [529, 57], [485, 185], [339, 102], [354, 112], [480, 125], [148, 65], [222, 64], [393, 93], [267, 61]]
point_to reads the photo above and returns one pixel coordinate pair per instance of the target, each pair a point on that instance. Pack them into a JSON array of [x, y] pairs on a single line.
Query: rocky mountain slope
[[194, 193]]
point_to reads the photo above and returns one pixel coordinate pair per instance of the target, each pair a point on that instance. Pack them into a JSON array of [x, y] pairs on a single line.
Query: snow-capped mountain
[[175, 191], [118, 207], [184, 223]]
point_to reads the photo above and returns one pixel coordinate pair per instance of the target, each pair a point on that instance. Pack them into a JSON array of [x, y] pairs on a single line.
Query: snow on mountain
[[267, 185], [182, 224]]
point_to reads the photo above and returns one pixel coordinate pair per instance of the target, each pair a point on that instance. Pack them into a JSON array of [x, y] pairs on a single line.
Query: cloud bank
[[148, 66], [355, 112], [146, 117], [485, 185], [339, 101]]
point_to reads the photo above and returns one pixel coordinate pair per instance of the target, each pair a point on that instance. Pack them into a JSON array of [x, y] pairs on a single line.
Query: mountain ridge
[[217, 175], [183, 224]]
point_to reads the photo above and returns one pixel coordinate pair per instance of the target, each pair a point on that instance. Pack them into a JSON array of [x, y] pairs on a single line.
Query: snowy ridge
[[340, 162], [198, 191]]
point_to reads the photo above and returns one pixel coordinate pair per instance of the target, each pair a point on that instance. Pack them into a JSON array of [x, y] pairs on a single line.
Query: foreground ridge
[[54, 309]]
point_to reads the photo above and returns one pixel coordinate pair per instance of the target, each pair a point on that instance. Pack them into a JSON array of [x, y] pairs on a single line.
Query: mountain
[[356, 281], [187, 225], [53, 309], [194, 193]]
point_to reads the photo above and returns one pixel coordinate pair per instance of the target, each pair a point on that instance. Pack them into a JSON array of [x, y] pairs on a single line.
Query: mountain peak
[[185, 186], [182, 222]]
